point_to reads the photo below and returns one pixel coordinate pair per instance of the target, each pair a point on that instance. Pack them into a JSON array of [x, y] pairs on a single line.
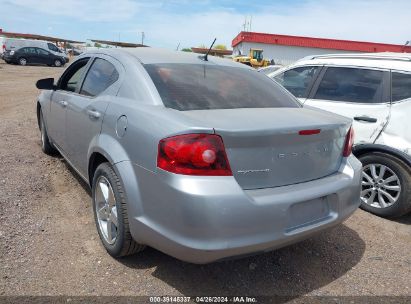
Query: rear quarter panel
[[397, 133]]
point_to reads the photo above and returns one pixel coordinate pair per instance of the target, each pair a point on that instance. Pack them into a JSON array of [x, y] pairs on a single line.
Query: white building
[[285, 49]]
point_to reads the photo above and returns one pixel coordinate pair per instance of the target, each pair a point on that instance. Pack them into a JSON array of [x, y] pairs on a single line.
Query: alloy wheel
[[380, 186], [106, 210], [23, 61]]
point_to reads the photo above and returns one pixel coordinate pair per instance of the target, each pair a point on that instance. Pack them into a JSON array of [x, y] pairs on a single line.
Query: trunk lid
[[264, 146]]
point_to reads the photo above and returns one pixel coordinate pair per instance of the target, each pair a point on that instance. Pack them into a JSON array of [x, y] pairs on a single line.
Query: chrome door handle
[[94, 114], [365, 118], [63, 103]]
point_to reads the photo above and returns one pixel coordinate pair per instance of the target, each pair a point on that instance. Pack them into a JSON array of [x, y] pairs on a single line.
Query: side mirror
[[46, 84]]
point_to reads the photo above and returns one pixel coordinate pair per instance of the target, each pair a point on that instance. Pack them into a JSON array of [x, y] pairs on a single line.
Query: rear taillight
[[349, 141], [193, 154], [309, 132]]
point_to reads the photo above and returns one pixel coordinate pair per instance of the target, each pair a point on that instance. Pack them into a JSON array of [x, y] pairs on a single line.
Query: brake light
[[193, 154], [349, 141], [309, 132]]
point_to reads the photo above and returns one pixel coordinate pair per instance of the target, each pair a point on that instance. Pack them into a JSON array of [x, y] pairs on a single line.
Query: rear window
[[401, 86], [202, 86], [351, 85]]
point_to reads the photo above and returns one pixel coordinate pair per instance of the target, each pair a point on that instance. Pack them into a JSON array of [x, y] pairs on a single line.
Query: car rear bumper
[[205, 219], [9, 58]]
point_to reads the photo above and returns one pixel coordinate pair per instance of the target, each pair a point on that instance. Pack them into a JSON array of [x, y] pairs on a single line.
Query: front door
[[358, 93], [85, 111], [65, 93], [44, 56], [298, 81]]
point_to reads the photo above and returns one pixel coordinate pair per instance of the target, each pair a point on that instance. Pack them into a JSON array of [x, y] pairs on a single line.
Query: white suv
[[375, 91]]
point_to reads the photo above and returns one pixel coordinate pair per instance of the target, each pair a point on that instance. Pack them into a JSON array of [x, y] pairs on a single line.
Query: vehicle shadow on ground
[[291, 271], [78, 178], [405, 219]]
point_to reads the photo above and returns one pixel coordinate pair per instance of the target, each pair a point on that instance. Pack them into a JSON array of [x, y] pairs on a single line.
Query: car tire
[[396, 176], [110, 208], [46, 145], [22, 61], [58, 63]]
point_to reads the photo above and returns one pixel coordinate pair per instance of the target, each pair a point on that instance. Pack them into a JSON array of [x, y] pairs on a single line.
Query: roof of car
[[148, 55], [387, 60]]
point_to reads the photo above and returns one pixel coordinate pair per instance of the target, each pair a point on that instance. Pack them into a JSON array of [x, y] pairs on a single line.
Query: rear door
[[362, 94], [85, 110], [31, 55]]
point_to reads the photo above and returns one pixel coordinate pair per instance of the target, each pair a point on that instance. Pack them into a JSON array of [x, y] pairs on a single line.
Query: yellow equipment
[[254, 59]]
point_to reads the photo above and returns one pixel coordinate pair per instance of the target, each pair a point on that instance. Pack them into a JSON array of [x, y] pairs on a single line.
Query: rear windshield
[[204, 86]]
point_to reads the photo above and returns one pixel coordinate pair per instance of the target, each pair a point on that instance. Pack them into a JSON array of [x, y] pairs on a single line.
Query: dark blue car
[[33, 55]]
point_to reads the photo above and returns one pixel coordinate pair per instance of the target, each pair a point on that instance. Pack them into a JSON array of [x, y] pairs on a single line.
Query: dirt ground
[[49, 244]]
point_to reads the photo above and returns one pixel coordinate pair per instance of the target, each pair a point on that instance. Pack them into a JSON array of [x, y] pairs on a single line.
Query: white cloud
[[191, 23], [101, 10]]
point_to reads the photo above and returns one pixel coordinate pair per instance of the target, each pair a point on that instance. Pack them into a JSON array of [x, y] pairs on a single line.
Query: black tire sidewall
[[46, 146], [108, 172], [21, 59], [403, 205]]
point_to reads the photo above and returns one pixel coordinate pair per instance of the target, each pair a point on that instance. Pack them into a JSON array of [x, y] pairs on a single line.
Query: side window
[[72, 77], [42, 52], [101, 75], [352, 85], [52, 47], [31, 51], [297, 80], [401, 86]]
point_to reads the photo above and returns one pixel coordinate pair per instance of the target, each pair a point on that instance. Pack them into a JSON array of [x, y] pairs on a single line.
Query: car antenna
[[205, 57]]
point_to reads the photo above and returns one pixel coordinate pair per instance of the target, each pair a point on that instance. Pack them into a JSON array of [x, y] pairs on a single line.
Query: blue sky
[[192, 23]]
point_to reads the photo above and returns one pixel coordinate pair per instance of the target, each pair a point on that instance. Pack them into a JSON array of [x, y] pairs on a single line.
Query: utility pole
[[142, 38], [251, 21]]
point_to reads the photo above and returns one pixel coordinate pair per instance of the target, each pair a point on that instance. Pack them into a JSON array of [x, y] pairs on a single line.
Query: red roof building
[[273, 45]]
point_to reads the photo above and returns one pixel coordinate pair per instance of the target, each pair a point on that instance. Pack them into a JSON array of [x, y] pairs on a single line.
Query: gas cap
[[121, 126]]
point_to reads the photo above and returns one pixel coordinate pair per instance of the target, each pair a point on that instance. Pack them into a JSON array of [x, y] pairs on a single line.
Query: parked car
[[74, 51], [270, 69], [13, 44], [2, 46], [375, 91], [33, 55], [200, 158]]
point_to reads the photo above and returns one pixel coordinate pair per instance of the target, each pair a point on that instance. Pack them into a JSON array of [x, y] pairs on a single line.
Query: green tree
[[97, 45], [186, 50], [220, 47]]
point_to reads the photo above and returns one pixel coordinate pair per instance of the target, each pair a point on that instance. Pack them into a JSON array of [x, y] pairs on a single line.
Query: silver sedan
[[201, 158]]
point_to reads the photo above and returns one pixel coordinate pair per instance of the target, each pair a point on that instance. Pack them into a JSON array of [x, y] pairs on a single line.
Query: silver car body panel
[[206, 218]]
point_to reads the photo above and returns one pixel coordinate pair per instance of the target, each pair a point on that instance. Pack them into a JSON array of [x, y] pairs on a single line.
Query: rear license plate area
[[307, 213]]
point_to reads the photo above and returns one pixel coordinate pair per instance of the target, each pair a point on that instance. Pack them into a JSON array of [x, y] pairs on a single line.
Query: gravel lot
[[49, 244]]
